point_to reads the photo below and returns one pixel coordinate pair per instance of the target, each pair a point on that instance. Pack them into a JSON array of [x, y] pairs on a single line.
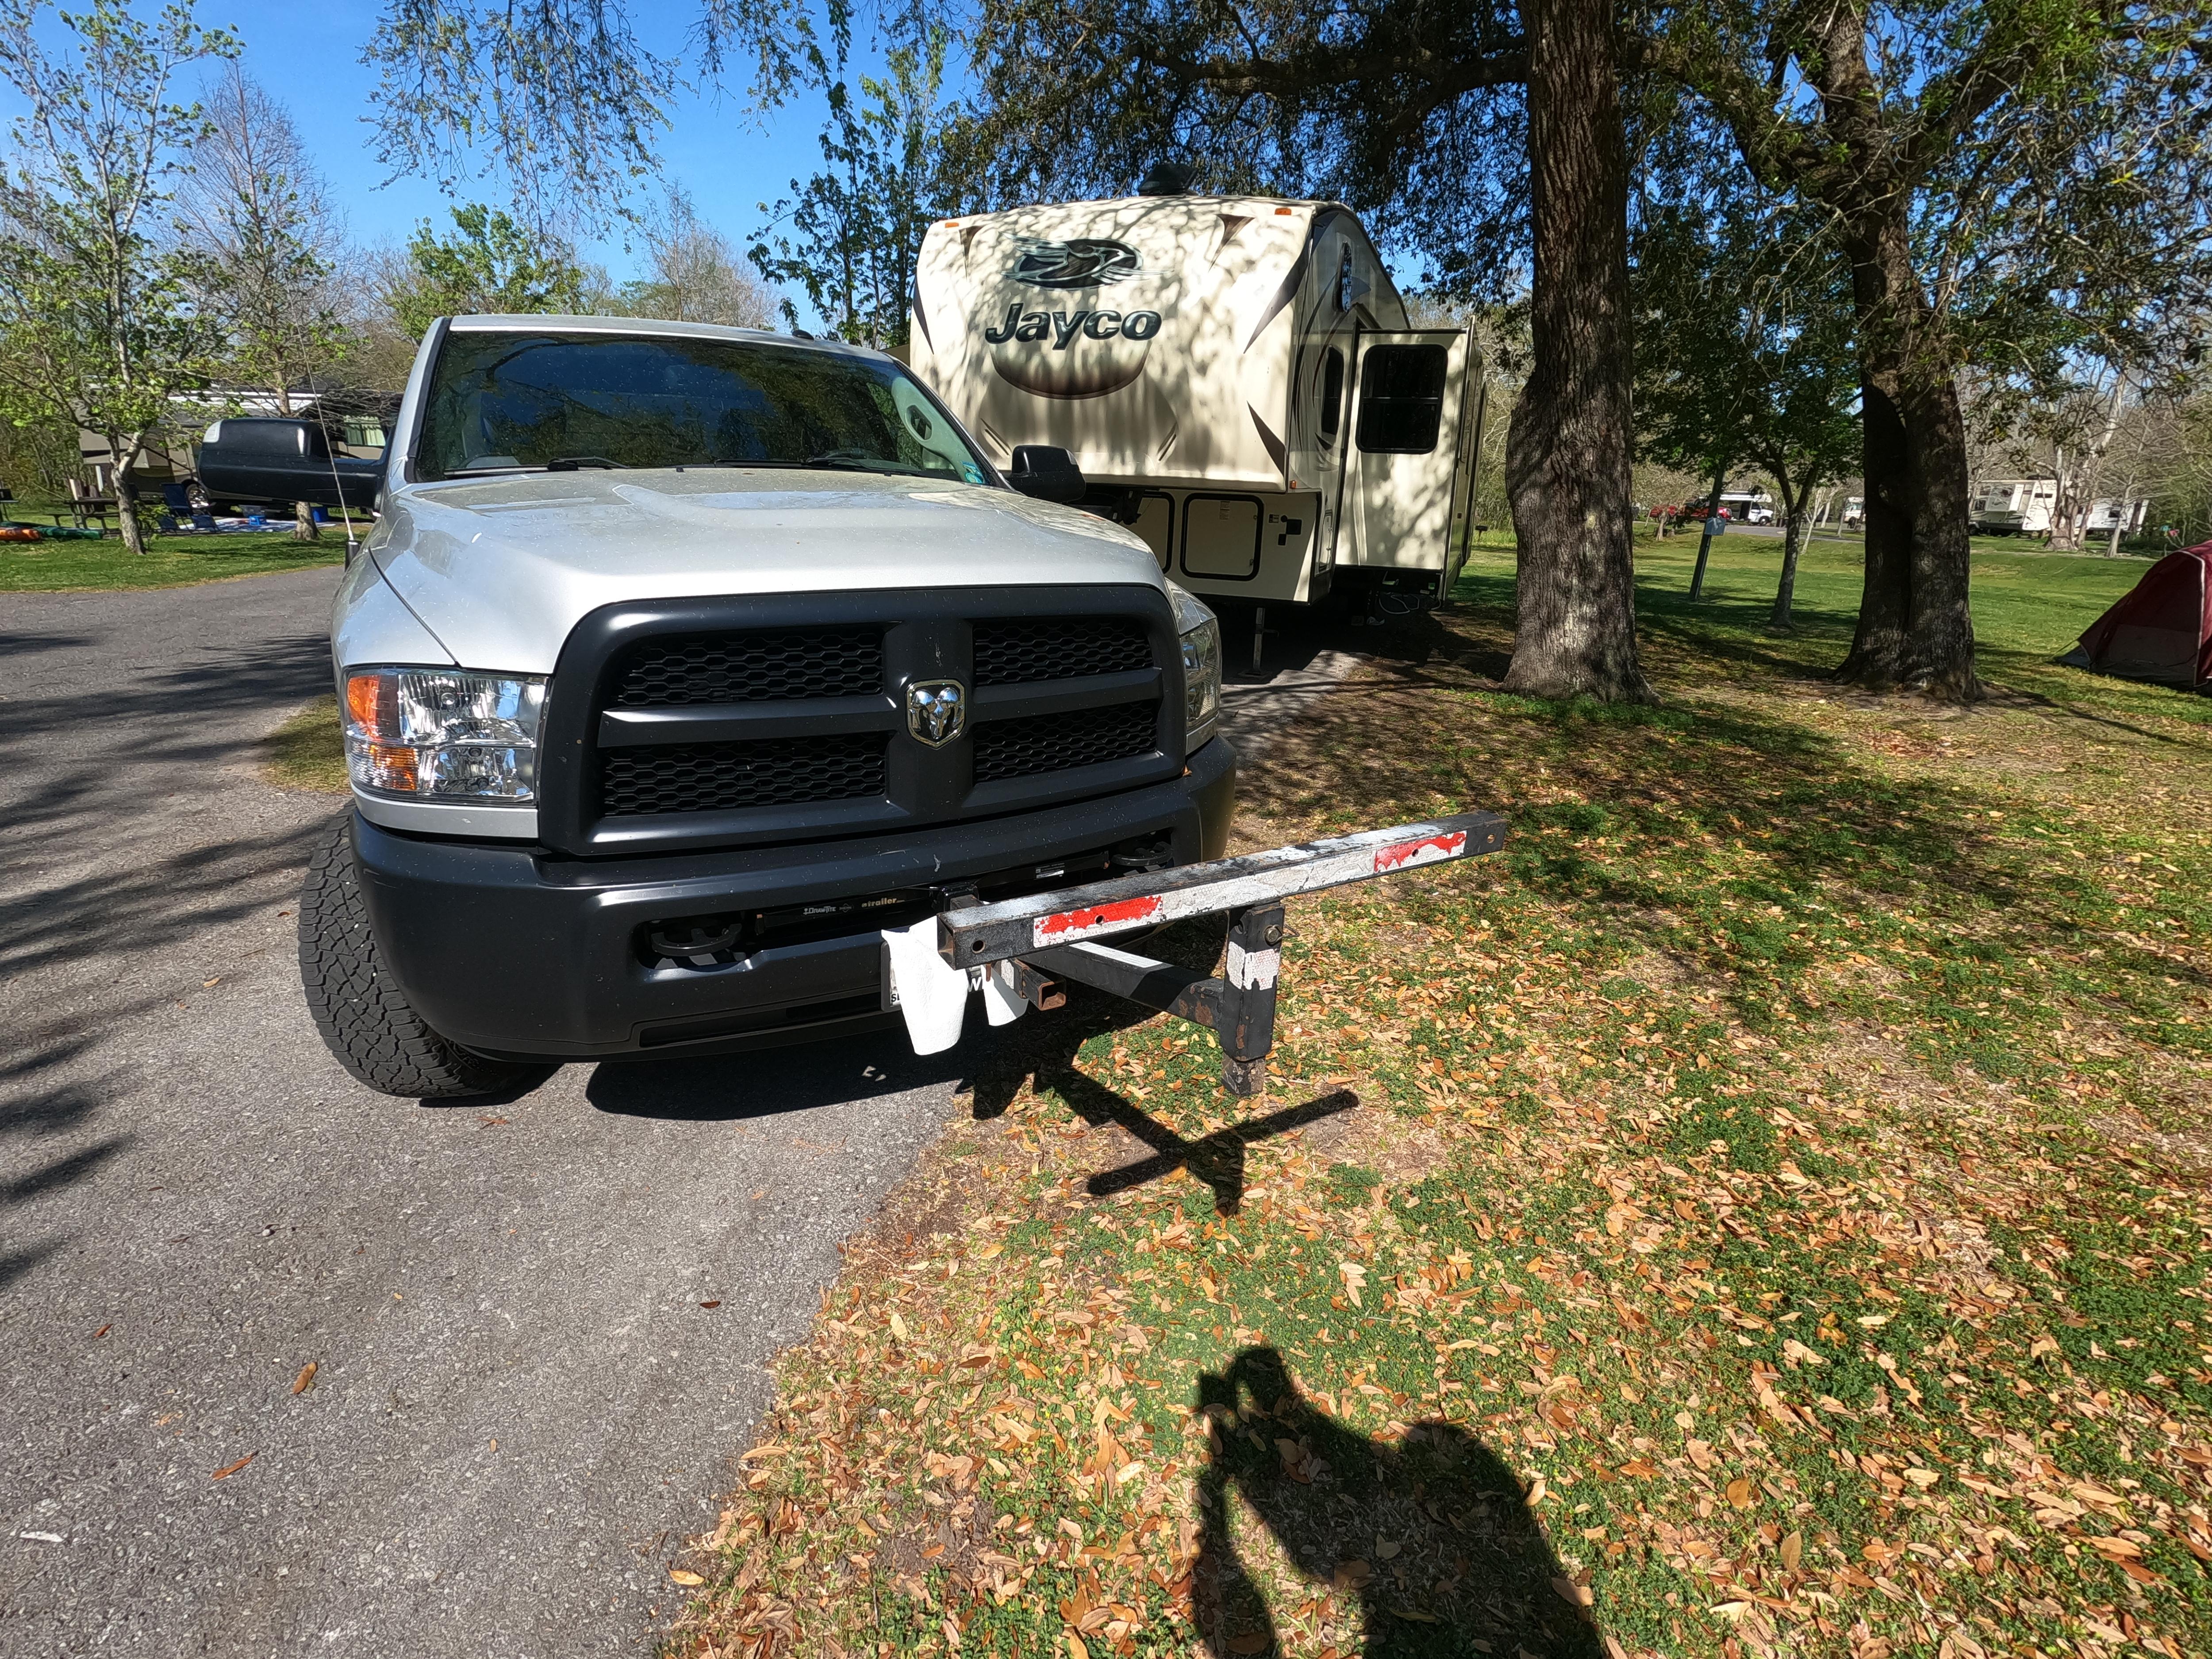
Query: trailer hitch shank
[[1032, 943]]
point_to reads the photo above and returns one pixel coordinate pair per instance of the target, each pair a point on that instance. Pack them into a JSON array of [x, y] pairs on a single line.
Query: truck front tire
[[363, 1015]]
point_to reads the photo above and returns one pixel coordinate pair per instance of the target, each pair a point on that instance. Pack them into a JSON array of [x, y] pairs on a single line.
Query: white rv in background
[[2013, 507], [1748, 506], [2107, 513], [1235, 376]]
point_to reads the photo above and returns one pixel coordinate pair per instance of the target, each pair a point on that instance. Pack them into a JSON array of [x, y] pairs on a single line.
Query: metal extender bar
[[1032, 942]]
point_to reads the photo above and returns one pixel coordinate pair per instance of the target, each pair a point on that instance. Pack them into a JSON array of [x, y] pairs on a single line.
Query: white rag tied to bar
[[933, 994]]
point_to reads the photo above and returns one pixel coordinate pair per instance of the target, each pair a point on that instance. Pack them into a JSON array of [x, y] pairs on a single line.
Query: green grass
[[1768, 1199], [307, 752], [1854, 540], [168, 561]]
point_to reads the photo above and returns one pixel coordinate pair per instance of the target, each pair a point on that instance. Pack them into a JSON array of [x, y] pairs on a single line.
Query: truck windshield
[[514, 402]]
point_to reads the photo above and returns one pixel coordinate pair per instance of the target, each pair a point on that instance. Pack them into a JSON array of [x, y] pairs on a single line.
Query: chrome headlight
[[444, 732], [1200, 632]]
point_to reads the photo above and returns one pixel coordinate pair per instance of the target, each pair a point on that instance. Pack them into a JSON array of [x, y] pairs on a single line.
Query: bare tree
[[695, 274], [263, 240]]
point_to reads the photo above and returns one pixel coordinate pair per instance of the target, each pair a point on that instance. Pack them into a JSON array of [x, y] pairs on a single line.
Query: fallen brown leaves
[[1691, 1193]]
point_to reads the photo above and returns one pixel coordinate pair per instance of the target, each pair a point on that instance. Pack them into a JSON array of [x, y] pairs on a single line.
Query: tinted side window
[[1332, 396], [1401, 399]]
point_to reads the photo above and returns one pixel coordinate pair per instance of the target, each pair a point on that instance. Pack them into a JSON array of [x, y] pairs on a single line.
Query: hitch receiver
[[1051, 936]]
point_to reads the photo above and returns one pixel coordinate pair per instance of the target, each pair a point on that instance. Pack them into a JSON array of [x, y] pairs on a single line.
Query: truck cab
[[684, 660]]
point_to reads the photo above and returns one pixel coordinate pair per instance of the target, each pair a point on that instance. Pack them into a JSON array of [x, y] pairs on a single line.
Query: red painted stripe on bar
[[1098, 915], [1405, 852]]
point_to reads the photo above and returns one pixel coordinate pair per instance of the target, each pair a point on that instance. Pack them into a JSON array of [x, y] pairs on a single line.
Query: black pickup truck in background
[[261, 460]]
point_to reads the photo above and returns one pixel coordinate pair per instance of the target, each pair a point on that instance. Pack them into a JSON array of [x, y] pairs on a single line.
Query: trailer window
[[1401, 399], [1332, 396]]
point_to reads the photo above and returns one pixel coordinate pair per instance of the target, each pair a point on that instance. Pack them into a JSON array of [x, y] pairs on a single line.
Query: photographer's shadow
[[1433, 1536]]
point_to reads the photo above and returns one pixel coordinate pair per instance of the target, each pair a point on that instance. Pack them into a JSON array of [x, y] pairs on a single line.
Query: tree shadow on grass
[[1744, 845], [1433, 1537]]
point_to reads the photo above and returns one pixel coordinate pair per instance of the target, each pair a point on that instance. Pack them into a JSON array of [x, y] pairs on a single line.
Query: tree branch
[[1780, 152], [1445, 76]]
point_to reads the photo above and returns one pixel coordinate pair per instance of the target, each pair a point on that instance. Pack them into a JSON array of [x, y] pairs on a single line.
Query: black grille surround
[[681, 724], [1013, 653], [707, 777], [1052, 743], [752, 667]]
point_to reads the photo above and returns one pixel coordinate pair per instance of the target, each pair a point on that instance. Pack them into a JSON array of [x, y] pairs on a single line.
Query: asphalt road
[[520, 1407]]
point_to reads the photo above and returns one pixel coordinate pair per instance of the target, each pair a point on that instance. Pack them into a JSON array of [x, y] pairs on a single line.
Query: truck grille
[[728, 777], [1010, 653], [1059, 743], [753, 668], [778, 718]]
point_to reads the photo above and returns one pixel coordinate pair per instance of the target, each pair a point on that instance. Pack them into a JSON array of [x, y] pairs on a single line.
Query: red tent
[[2161, 627]]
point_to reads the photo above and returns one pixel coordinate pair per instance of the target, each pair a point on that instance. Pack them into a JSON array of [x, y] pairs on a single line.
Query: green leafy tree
[[490, 263], [2013, 184], [849, 237], [1488, 140], [1743, 351], [261, 237], [98, 329], [558, 100]]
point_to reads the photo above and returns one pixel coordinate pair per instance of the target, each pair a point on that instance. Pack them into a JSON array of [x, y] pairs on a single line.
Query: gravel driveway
[[523, 1393]]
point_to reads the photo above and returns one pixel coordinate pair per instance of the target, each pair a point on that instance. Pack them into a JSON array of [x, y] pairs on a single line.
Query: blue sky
[[308, 55]]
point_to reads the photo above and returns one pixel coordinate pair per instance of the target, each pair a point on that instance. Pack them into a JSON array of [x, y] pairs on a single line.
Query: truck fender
[[371, 623]]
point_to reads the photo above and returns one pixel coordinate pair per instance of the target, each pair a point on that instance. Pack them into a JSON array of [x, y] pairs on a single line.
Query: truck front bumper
[[519, 954]]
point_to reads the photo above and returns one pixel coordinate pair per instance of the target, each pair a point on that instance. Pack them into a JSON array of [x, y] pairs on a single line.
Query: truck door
[[1409, 469]]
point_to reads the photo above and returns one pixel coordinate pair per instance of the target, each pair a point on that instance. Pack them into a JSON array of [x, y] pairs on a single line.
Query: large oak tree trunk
[[1567, 461], [1915, 630]]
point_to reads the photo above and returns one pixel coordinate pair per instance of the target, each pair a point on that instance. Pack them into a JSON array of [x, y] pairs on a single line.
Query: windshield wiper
[[558, 463]]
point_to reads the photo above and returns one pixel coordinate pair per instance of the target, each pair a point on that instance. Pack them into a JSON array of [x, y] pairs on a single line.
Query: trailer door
[[1407, 482]]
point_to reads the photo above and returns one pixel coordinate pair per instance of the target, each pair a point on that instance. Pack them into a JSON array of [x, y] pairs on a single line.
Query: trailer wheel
[[364, 1017]]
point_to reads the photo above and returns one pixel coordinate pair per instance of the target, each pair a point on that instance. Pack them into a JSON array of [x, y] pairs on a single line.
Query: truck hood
[[501, 569]]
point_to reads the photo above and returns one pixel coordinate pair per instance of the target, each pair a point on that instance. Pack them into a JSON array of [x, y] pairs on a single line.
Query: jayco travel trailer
[[1236, 378]]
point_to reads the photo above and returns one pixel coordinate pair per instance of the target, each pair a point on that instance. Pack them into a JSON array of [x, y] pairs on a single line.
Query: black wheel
[[361, 1012]]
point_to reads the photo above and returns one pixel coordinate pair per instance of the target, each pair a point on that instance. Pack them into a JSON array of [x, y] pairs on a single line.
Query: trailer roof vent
[[1168, 179]]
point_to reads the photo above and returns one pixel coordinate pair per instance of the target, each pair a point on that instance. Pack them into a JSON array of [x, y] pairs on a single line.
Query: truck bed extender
[[689, 669]]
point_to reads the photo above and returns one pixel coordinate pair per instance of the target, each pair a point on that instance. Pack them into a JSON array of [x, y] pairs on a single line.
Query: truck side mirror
[[1048, 473]]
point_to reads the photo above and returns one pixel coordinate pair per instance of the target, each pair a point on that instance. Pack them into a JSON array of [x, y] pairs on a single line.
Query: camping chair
[[204, 521]]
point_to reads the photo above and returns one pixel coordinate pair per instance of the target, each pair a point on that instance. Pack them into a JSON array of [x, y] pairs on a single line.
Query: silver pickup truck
[[682, 664]]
